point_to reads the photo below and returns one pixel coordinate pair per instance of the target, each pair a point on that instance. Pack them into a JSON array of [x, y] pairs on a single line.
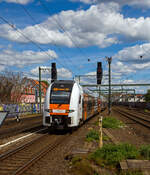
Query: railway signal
[[53, 72], [99, 72]]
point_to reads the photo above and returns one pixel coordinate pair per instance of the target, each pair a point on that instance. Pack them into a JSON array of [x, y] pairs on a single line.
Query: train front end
[[59, 109]]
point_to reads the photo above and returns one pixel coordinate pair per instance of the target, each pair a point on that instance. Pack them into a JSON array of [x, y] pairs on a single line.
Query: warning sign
[[2, 116]]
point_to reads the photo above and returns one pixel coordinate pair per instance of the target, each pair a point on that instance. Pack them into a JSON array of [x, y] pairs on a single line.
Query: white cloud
[[17, 1], [2, 67], [64, 73], [99, 25], [61, 72], [128, 81], [119, 67], [139, 3], [137, 56], [128, 63], [12, 58], [78, 29], [35, 71]]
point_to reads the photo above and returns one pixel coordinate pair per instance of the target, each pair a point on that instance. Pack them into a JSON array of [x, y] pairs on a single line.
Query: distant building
[[29, 91], [131, 98]]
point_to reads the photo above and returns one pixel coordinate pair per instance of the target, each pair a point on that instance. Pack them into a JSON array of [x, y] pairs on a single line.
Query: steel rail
[[134, 118], [7, 132], [144, 117], [37, 157], [24, 156], [19, 148], [147, 114]]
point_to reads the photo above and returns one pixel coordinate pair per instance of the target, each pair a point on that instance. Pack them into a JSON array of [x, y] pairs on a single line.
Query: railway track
[[147, 113], [11, 127], [17, 161], [141, 118], [5, 133], [144, 113]]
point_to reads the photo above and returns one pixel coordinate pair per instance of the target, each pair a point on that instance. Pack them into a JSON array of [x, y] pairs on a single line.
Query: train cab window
[[60, 97], [60, 92]]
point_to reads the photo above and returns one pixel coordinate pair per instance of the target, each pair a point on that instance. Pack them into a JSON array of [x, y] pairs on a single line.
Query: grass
[[108, 158], [81, 166], [145, 151], [93, 135], [111, 122], [112, 154], [146, 110], [132, 173], [76, 159]]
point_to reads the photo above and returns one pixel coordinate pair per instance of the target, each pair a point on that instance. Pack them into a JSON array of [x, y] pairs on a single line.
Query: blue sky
[[69, 32]]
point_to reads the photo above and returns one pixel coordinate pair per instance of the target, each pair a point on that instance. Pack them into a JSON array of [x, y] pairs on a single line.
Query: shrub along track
[[21, 158], [12, 127]]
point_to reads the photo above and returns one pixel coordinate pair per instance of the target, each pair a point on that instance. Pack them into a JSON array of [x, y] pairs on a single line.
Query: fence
[[20, 109]]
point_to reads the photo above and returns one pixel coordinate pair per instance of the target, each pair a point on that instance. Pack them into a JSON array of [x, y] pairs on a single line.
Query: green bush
[[112, 154], [110, 122], [76, 159], [145, 151], [145, 110], [132, 173], [106, 138], [92, 135], [82, 167]]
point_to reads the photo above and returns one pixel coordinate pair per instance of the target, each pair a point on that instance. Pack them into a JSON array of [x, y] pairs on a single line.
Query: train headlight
[[69, 111], [48, 110]]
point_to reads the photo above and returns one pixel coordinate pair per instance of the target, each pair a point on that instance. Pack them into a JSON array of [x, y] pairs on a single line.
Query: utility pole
[[40, 93], [122, 93], [109, 59], [40, 89], [99, 91]]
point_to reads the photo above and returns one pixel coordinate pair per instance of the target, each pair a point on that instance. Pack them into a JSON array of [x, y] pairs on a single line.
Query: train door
[[82, 109]]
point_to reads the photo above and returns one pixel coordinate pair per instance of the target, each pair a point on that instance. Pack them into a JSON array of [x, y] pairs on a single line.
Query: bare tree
[[10, 87]]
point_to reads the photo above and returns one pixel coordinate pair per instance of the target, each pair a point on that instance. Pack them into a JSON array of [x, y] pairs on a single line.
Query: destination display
[[58, 111]]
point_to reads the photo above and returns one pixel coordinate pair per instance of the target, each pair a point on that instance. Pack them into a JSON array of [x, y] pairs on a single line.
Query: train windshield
[[61, 92], [60, 97]]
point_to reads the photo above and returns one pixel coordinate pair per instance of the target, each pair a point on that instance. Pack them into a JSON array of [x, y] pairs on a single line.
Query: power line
[[26, 37], [43, 30], [62, 28], [15, 28]]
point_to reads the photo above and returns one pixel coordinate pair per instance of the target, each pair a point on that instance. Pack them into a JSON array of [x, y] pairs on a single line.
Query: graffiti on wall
[[20, 109]]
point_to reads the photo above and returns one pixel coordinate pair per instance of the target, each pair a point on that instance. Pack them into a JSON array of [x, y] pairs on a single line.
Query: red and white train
[[67, 105]]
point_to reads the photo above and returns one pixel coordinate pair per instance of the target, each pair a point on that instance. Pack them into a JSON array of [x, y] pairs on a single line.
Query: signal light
[[99, 72], [53, 72]]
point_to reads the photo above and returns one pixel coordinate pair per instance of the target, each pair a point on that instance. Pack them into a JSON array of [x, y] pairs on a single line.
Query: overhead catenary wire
[[68, 34], [15, 28], [43, 30], [26, 37]]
